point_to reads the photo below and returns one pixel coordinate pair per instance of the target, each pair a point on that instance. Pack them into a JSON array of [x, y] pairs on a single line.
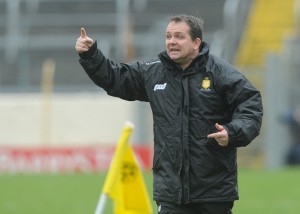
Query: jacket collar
[[198, 63]]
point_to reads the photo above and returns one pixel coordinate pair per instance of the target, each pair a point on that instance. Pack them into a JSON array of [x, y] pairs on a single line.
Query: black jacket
[[186, 104]]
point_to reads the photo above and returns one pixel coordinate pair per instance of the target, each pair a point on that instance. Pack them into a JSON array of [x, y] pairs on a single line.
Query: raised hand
[[221, 136], [84, 42]]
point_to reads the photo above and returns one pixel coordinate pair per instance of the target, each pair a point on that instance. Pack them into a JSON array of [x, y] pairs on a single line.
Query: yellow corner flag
[[124, 183]]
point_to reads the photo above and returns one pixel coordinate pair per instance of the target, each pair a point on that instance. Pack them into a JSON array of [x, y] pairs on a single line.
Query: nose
[[172, 40]]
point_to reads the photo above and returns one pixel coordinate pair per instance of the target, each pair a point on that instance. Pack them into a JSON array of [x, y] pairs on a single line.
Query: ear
[[197, 43]]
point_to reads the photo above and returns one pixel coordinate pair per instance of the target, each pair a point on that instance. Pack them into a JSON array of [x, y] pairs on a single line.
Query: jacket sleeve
[[117, 79], [245, 105]]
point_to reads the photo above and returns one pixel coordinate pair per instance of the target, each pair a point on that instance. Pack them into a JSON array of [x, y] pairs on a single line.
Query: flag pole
[[101, 204]]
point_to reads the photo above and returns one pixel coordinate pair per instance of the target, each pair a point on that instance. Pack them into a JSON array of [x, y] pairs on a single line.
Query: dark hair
[[195, 24]]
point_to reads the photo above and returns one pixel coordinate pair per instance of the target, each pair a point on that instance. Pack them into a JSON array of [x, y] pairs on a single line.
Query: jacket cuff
[[230, 134], [90, 52]]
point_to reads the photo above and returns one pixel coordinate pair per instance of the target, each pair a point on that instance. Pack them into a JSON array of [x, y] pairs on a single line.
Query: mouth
[[174, 50]]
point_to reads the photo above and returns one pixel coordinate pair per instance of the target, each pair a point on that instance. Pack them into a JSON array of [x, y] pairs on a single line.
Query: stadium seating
[[268, 24]]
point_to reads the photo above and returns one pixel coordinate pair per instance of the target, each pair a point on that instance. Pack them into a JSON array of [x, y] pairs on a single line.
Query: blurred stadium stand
[[34, 30]]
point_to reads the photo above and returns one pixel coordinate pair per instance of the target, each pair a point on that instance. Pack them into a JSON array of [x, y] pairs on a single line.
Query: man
[[203, 109]]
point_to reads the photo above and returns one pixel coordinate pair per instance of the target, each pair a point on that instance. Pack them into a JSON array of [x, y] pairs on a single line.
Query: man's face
[[179, 45]]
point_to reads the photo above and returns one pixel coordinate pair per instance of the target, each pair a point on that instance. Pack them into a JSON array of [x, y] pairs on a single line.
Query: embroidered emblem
[[206, 83]]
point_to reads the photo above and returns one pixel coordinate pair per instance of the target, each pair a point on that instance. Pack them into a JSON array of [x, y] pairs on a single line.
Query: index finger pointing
[[82, 33]]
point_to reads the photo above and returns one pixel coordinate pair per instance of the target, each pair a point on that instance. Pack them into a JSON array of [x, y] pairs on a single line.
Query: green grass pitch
[[261, 192]]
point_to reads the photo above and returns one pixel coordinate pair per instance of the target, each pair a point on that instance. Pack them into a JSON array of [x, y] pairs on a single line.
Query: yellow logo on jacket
[[206, 83]]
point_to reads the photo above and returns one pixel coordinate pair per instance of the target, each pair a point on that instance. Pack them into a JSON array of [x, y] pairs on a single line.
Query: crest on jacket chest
[[206, 84]]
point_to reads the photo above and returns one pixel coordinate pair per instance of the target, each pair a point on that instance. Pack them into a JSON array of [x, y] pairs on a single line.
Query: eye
[[168, 36]]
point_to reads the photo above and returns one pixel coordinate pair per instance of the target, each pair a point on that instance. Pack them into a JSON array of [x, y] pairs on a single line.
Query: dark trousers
[[195, 208]]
